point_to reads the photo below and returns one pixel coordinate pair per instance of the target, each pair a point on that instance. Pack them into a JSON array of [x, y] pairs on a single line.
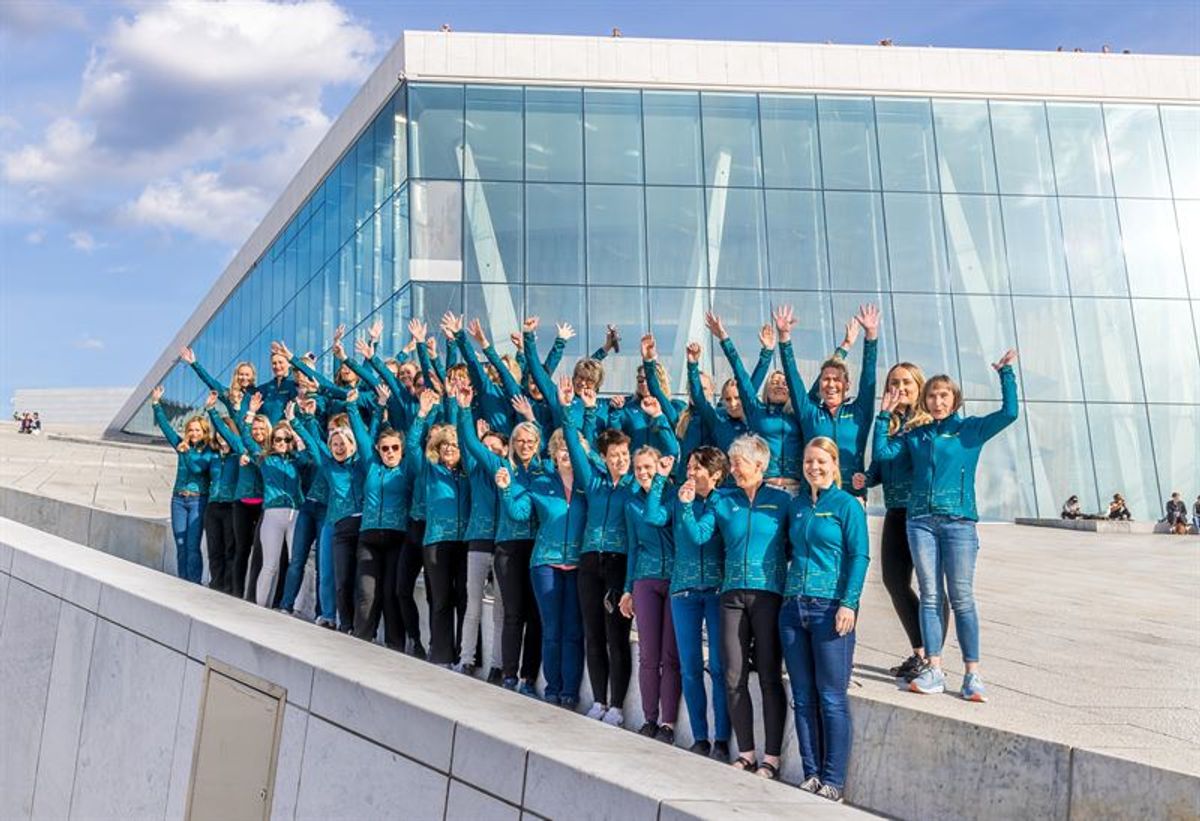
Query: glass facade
[[1067, 230]]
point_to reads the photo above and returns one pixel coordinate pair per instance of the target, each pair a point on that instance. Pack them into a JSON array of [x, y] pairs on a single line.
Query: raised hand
[[256, 403], [651, 407], [417, 329], [565, 331], [868, 318], [566, 391], [588, 397], [858, 481], [210, 401], [852, 329], [502, 478], [530, 324], [375, 332], [649, 347], [464, 395], [451, 324], [289, 411], [715, 326], [766, 336], [280, 348], [687, 492], [187, 355], [612, 339], [339, 350], [616, 402], [785, 320], [351, 396], [156, 394], [364, 348], [475, 330], [693, 352], [339, 332], [427, 400], [523, 407], [517, 340], [891, 398], [1007, 358], [382, 394], [431, 346], [665, 465]]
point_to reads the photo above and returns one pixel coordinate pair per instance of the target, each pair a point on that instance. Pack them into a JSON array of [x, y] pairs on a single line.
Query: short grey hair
[[752, 448]]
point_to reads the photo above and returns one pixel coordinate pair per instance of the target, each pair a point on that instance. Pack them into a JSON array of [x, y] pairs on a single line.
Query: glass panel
[[561, 304], [743, 313], [916, 242], [845, 306], [1168, 346], [906, 146], [848, 154], [1003, 480], [500, 308], [495, 240], [554, 233], [1022, 148], [400, 222], [1092, 236], [1046, 331], [436, 231], [1152, 253], [384, 140], [435, 130], [1108, 350], [1080, 150], [612, 127], [494, 124], [1033, 238], [819, 329], [789, 139], [1135, 145], [796, 240], [400, 138], [626, 309], [1188, 213], [973, 228], [857, 254], [1176, 442], [985, 330], [616, 235], [964, 142], [676, 318], [676, 237], [1181, 126], [554, 134], [1127, 467], [737, 239], [672, 132], [1062, 456], [731, 146], [432, 299], [924, 328]]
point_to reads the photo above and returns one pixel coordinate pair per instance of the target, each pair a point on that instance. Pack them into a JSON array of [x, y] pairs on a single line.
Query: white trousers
[[275, 534]]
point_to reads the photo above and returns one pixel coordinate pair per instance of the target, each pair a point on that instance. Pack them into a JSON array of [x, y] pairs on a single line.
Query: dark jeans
[[446, 570], [753, 616], [562, 631], [522, 635], [412, 564], [345, 552], [691, 610], [376, 588], [818, 663], [658, 659], [605, 634], [187, 526], [245, 531], [221, 544], [305, 535]]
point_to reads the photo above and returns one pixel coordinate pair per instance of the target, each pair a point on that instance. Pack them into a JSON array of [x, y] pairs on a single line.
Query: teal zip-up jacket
[[275, 394], [490, 403], [249, 481], [755, 535], [651, 551], [605, 530], [343, 480], [945, 454], [512, 389], [193, 466], [896, 477], [224, 470], [487, 463], [774, 423], [828, 547], [385, 490], [337, 394], [318, 485], [698, 565], [447, 500], [541, 378], [559, 539], [850, 426], [282, 476], [485, 498]]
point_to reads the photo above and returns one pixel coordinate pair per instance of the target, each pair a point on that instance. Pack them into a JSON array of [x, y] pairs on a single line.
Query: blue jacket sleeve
[[517, 502], [555, 356], [663, 432], [631, 545], [656, 390], [701, 529], [746, 390], [886, 447], [468, 440], [214, 385], [232, 439], [316, 448], [512, 388], [864, 402], [801, 401], [998, 420], [657, 512], [364, 442], [541, 378], [585, 474], [160, 417], [363, 373], [762, 367], [704, 408]]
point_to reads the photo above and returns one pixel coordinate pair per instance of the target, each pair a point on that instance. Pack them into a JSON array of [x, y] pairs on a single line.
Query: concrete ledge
[[1098, 525]]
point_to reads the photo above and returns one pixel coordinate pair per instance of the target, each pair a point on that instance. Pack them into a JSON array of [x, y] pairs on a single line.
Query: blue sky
[[140, 142]]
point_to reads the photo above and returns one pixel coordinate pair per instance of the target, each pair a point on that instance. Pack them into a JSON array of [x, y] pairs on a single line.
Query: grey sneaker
[[811, 784], [597, 711], [831, 792], [614, 717], [973, 689], [932, 680]]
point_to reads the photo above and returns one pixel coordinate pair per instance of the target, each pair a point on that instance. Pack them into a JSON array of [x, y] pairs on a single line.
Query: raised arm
[[657, 513], [580, 463], [785, 320], [698, 528], [708, 414], [650, 368], [160, 417], [868, 318], [884, 447], [516, 501], [364, 441], [540, 376], [740, 377], [414, 439], [998, 420], [232, 439], [766, 352]]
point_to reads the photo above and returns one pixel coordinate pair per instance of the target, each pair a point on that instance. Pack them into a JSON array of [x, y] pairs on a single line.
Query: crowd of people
[[28, 422], [737, 516], [1175, 512]]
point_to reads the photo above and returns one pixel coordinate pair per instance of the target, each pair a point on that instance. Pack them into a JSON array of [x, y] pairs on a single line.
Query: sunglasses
[[284, 439], [448, 445], [389, 448]]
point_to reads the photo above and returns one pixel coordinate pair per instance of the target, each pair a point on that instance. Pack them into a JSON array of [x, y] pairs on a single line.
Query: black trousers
[[376, 586], [412, 565], [446, 572], [245, 533], [522, 634], [895, 560], [753, 615], [605, 633], [345, 554], [221, 545]]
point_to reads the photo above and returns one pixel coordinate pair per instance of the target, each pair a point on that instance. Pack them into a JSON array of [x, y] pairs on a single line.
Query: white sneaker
[[614, 716], [597, 712]]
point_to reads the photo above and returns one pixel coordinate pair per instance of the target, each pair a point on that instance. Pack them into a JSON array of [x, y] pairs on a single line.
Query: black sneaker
[[649, 729], [418, 651], [720, 751], [665, 734], [495, 676], [908, 669], [701, 748]]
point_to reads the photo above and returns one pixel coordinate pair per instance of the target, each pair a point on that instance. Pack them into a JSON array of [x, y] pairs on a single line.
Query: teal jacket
[[828, 547], [193, 466], [336, 395], [276, 393], [485, 498], [559, 539], [896, 477], [491, 403], [483, 464], [778, 425], [605, 530], [651, 552], [249, 481], [755, 535], [447, 495], [945, 454], [698, 565], [386, 490], [224, 469], [343, 480], [282, 475], [600, 418]]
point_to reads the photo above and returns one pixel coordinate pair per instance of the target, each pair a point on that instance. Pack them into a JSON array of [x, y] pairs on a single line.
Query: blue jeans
[[818, 662], [946, 546], [557, 595], [187, 526], [326, 578], [306, 533], [691, 610]]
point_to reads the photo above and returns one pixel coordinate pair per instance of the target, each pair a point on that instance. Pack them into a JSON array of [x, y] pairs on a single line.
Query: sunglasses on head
[[388, 448]]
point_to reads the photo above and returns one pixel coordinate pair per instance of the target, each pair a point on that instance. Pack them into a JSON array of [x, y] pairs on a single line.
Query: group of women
[[737, 516]]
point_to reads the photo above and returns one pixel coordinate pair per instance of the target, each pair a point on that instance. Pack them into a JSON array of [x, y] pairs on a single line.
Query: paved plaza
[[1088, 639]]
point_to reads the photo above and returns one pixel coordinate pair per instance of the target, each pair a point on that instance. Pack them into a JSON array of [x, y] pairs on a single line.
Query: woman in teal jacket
[[189, 496], [829, 552], [942, 514], [751, 520], [276, 392], [558, 501], [218, 513]]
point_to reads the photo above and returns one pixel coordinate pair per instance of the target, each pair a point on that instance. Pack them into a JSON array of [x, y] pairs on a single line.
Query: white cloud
[[36, 237], [199, 203], [25, 17], [89, 343], [83, 241]]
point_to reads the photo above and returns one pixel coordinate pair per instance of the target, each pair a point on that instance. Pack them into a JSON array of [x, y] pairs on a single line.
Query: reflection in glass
[[1124, 464], [848, 154], [789, 141], [672, 132], [554, 233], [743, 312], [1045, 331], [985, 330], [1062, 463], [1033, 238], [796, 239], [964, 141], [432, 299], [1188, 214], [675, 237], [1022, 148], [626, 309], [857, 254], [612, 126], [924, 328], [436, 217], [1176, 433], [494, 213], [500, 309], [616, 235], [906, 145], [1108, 350], [737, 242], [553, 134], [916, 242], [435, 130], [493, 127], [1135, 145], [1152, 254], [560, 304], [731, 145], [1080, 150], [819, 328], [1169, 356], [1181, 127], [1003, 479], [1092, 236], [974, 231]]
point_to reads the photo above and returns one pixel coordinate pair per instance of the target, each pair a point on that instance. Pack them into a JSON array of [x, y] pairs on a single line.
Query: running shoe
[[465, 669], [701, 748], [509, 683], [495, 675], [721, 751], [973, 689], [811, 784], [931, 680], [908, 669], [597, 711], [831, 792], [649, 729], [665, 734], [614, 717], [526, 688]]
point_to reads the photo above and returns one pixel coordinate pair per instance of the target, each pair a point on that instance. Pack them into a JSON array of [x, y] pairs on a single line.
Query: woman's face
[[901, 380], [347, 376], [258, 431], [777, 391], [339, 447], [617, 460], [731, 400], [833, 387], [820, 469], [644, 468], [562, 459], [281, 441], [705, 481], [747, 473], [407, 374], [939, 400], [448, 453], [494, 444], [390, 450], [279, 366], [525, 446], [643, 388], [582, 383], [244, 377], [193, 433]]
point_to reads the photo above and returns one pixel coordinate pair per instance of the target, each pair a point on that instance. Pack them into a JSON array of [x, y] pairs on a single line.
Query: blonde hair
[[830, 447], [664, 379], [283, 424], [685, 419], [915, 416], [558, 441], [438, 436], [347, 436], [233, 383], [589, 369], [205, 429], [648, 450], [787, 406], [525, 427], [936, 381], [266, 420]]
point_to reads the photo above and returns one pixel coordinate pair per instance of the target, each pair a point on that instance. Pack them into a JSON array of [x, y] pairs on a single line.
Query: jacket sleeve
[[160, 417], [468, 440], [801, 401], [512, 388], [998, 420], [699, 529], [364, 442], [855, 542], [762, 367], [657, 513], [517, 502], [741, 378], [213, 385], [362, 371], [656, 390], [631, 544], [233, 440], [555, 356], [316, 448], [541, 378], [885, 447], [585, 474], [708, 414], [663, 433]]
